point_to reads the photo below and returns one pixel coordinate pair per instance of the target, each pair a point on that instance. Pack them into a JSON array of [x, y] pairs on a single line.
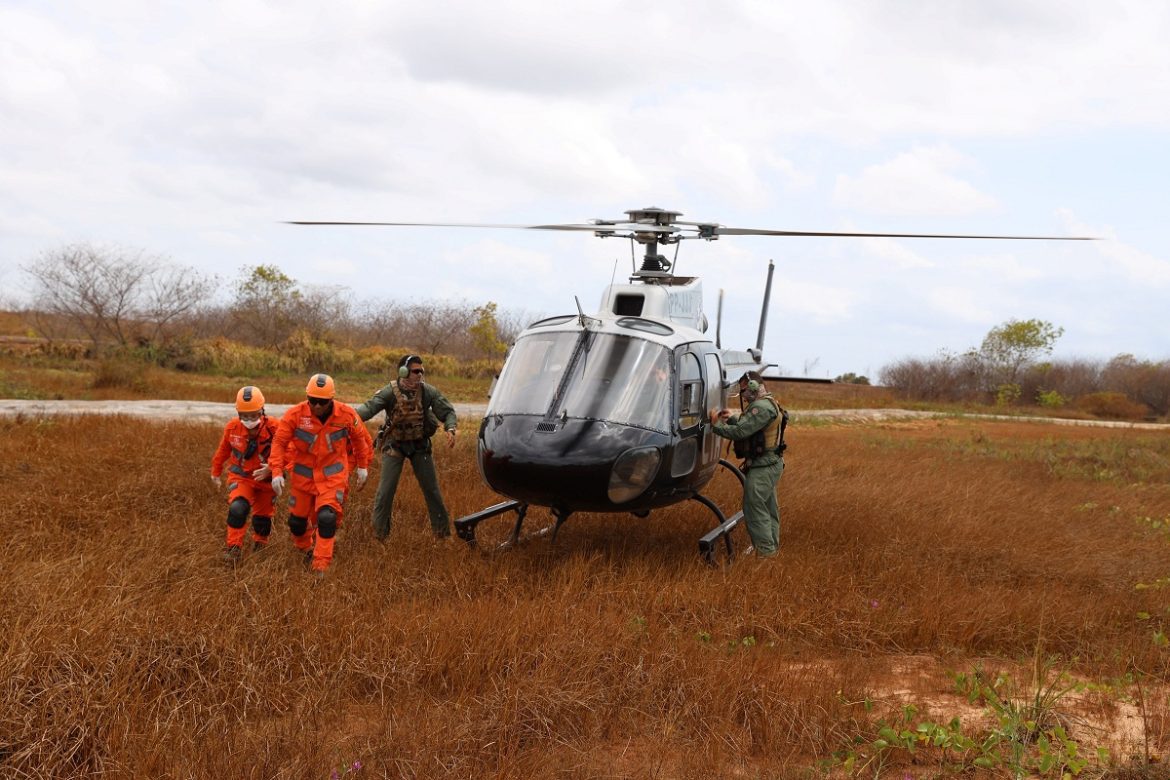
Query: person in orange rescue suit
[[313, 443], [414, 410], [244, 450]]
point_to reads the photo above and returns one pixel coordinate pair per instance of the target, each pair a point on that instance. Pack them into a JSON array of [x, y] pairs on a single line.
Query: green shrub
[[301, 352], [221, 355], [1050, 399], [479, 369], [1007, 394], [377, 360]]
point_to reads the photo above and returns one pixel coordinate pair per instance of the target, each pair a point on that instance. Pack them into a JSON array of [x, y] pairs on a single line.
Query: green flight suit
[[760, 510], [418, 452]]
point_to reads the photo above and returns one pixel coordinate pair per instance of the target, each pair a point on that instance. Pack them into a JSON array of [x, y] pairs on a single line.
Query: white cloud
[[1116, 255], [192, 131], [896, 253], [1002, 268], [962, 303], [920, 182]]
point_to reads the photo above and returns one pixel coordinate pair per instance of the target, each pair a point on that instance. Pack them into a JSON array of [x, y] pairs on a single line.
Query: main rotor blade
[[438, 224], [688, 227], [608, 227], [722, 231]]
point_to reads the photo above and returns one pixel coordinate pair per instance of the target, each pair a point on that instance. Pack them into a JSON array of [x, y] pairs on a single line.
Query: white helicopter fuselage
[[609, 412]]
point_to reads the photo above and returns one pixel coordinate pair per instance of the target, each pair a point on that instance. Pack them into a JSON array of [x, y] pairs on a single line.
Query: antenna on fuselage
[[580, 311], [719, 319], [764, 310]]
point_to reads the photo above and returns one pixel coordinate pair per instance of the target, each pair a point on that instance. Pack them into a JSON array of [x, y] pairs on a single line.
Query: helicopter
[[608, 412]]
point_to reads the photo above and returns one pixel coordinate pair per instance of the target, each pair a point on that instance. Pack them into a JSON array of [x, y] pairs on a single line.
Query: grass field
[[39, 378], [941, 586]]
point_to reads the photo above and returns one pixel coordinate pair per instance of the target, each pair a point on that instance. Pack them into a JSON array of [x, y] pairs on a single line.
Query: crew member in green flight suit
[[758, 433], [414, 410]]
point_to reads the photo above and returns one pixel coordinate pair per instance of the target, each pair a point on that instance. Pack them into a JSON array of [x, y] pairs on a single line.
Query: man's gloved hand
[[451, 438], [278, 485], [361, 475], [217, 480], [261, 472]]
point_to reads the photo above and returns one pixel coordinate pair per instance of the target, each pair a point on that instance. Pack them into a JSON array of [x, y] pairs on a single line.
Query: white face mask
[[250, 424]]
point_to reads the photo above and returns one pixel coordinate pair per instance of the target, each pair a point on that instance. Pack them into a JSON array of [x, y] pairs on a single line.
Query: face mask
[[251, 424]]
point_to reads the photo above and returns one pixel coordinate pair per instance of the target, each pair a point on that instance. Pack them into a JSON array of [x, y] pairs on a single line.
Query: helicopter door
[[715, 395], [691, 409]]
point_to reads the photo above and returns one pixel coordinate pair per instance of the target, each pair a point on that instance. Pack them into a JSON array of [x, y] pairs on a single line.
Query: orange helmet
[[320, 386], [249, 399]]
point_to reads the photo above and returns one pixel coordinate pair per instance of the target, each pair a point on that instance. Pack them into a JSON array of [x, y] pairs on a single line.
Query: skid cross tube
[[709, 542], [465, 526]]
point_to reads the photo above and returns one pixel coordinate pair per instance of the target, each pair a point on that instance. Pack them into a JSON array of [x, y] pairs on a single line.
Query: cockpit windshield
[[618, 378]]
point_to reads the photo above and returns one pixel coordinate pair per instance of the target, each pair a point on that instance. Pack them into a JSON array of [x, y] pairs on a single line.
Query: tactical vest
[[769, 439], [406, 422]]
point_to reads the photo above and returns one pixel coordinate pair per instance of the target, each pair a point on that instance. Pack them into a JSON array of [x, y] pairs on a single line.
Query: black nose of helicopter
[[576, 465]]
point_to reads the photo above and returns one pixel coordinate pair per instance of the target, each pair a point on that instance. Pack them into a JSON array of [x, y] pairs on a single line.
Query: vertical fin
[[764, 310]]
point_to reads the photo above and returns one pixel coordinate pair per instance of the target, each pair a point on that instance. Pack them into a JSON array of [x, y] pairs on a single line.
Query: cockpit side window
[[531, 374], [691, 402]]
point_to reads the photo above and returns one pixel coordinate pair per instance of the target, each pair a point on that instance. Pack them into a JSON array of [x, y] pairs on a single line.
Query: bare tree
[[174, 294], [379, 322], [112, 295], [438, 326], [325, 312]]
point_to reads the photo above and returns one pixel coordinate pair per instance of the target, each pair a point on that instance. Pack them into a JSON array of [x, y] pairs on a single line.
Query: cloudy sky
[[192, 130]]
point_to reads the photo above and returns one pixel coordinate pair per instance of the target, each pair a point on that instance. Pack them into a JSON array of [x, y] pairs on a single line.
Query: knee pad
[[326, 522], [298, 525], [238, 513], [262, 525]]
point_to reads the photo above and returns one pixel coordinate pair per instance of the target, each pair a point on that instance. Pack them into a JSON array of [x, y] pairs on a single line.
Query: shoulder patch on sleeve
[[753, 411]]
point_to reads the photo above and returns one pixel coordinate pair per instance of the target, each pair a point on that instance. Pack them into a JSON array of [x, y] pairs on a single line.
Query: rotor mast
[[659, 229]]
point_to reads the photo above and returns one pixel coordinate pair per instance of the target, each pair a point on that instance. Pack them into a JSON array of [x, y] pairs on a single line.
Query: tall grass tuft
[[123, 373]]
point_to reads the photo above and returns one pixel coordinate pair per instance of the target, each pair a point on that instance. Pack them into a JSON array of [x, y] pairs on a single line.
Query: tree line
[[119, 301], [1012, 367]]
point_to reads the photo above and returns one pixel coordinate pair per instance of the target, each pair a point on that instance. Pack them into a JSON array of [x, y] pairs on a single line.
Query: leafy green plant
[[1029, 737], [1050, 399], [1007, 394], [901, 738]]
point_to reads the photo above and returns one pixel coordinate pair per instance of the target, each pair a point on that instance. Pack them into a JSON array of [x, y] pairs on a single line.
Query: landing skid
[[465, 526], [709, 544]]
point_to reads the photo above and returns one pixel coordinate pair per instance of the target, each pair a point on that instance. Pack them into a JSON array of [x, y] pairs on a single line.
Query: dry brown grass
[[85, 379], [908, 551]]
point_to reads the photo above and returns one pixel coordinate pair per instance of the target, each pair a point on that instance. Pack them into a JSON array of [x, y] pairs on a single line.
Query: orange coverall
[[316, 454], [233, 451]]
